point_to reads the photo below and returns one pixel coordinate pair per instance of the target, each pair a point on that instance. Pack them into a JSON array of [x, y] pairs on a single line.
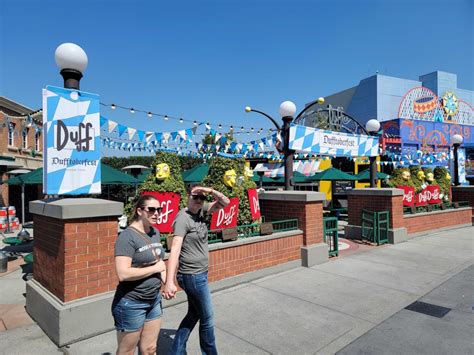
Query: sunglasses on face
[[152, 210], [198, 197]]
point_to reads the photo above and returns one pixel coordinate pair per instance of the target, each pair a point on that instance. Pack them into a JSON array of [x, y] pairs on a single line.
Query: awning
[[304, 167]]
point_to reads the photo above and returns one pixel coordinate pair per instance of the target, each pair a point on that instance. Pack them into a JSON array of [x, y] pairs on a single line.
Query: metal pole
[[288, 153], [71, 78], [456, 172], [22, 205], [373, 171]]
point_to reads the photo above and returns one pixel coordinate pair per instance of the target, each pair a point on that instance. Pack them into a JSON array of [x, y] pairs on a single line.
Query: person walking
[[189, 261], [140, 268]]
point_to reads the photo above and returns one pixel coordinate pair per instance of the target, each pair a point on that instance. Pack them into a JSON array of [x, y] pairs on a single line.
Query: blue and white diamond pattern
[[70, 171], [318, 141]]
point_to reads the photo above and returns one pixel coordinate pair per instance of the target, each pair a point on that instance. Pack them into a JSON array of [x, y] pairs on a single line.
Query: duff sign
[[433, 192], [254, 204], [408, 195], [169, 201], [227, 216]]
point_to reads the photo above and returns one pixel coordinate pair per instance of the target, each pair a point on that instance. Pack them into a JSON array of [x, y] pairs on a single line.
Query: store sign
[[433, 192], [319, 141], [254, 204], [71, 149], [226, 217], [169, 202], [421, 198], [408, 195]]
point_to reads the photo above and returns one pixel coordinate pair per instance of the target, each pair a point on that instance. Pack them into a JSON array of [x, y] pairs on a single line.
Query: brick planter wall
[[376, 200], [422, 222], [246, 255]]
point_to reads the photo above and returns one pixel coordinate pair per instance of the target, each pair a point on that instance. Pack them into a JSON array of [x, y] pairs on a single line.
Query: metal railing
[[253, 230], [435, 207], [330, 233]]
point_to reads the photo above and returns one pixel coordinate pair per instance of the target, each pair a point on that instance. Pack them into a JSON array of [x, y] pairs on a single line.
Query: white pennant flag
[[166, 137], [111, 126], [131, 132]]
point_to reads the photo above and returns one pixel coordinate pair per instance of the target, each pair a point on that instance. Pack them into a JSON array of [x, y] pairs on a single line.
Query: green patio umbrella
[[332, 174], [143, 175], [109, 176], [196, 174], [365, 175]]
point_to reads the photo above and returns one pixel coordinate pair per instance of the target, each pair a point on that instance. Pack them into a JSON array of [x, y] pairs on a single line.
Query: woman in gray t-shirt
[[189, 262], [140, 269]]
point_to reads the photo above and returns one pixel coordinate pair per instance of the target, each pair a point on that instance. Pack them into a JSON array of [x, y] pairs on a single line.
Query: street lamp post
[[373, 127], [72, 60], [457, 140], [287, 110]]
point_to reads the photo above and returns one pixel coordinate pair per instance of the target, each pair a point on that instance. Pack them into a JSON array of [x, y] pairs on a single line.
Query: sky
[[207, 60]]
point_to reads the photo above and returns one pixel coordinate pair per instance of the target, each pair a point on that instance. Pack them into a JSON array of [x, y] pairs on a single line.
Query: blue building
[[418, 117]]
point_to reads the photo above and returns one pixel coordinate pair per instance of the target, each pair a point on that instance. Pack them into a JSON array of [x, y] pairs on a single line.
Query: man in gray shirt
[[189, 261]]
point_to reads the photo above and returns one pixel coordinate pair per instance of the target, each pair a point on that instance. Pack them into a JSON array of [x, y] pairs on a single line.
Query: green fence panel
[[330, 233], [375, 226]]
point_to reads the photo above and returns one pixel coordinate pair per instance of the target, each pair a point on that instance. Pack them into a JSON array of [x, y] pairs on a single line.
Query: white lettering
[[256, 205], [225, 218], [165, 212]]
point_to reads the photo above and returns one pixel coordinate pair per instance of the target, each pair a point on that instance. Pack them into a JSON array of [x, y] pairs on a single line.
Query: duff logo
[[256, 205], [408, 197], [423, 196], [226, 218], [167, 210]]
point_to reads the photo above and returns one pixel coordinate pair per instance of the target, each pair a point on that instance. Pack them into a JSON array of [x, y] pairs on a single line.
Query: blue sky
[[207, 60]]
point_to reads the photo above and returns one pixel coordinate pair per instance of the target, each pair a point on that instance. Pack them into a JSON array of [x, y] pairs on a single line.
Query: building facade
[[418, 117], [21, 146]]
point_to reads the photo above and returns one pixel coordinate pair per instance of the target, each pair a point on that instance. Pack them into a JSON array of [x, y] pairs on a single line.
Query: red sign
[[227, 216], [254, 204], [408, 195], [433, 194], [169, 201], [422, 198]]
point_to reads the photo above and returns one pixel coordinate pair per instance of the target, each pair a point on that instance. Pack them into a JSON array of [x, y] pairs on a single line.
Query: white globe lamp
[[287, 109], [72, 60]]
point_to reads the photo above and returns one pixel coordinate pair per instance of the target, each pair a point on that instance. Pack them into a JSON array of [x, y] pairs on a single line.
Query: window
[[11, 134], [24, 135], [37, 141]]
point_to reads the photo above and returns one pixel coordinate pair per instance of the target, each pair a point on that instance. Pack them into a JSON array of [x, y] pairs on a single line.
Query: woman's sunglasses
[[152, 209], [198, 197]]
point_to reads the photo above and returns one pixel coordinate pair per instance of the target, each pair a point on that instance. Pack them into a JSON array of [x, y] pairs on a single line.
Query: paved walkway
[[353, 304]]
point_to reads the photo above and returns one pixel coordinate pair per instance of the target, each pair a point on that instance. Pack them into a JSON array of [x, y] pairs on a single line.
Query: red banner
[[408, 195], [169, 201], [433, 194], [422, 198], [254, 204], [227, 216]]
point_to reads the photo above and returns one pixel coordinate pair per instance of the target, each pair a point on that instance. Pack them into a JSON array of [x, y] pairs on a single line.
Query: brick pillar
[[376, 199], [74, 275], [464, 193], [307, 207]]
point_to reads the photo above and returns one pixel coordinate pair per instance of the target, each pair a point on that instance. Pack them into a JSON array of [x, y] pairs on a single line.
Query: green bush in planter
[[397, 178], [443, 179]]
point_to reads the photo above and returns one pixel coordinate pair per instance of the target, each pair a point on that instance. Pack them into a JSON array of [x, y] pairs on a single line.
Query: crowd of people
[[144, 279]]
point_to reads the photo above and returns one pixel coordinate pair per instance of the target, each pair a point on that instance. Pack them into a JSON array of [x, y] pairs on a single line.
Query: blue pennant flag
[[121, 129]]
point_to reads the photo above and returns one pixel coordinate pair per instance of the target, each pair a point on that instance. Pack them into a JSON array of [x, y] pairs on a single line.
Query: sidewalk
[[346, 304]]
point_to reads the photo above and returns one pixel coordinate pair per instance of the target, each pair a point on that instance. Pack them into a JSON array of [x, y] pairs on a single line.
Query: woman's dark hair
[[141, 203]]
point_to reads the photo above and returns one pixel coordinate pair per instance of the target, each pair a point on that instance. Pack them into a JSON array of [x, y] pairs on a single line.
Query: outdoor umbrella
[[332, 174], [365, 175], [109, 176], [196, 174], [143, 175]]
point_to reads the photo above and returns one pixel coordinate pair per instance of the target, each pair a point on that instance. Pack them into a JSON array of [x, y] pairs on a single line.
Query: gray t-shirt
[[133, 244], [194, 256]]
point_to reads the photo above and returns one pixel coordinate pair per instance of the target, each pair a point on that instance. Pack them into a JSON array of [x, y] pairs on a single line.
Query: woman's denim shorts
[[130, 315]]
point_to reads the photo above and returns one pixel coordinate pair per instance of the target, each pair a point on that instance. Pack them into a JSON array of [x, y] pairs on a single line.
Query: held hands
[[169, 290]]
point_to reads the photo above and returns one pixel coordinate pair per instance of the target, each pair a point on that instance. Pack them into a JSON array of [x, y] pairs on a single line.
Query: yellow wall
[[325, 186], [361, 163]]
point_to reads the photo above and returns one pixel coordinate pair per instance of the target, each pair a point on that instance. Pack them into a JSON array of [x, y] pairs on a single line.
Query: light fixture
[[71, 56], [132, 111], [195, 123], [113, 107], [372, 126], [457, 139], [166, 117], [220, 126], [150, 114], [287, 109], [180, 120], [72, 60]]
